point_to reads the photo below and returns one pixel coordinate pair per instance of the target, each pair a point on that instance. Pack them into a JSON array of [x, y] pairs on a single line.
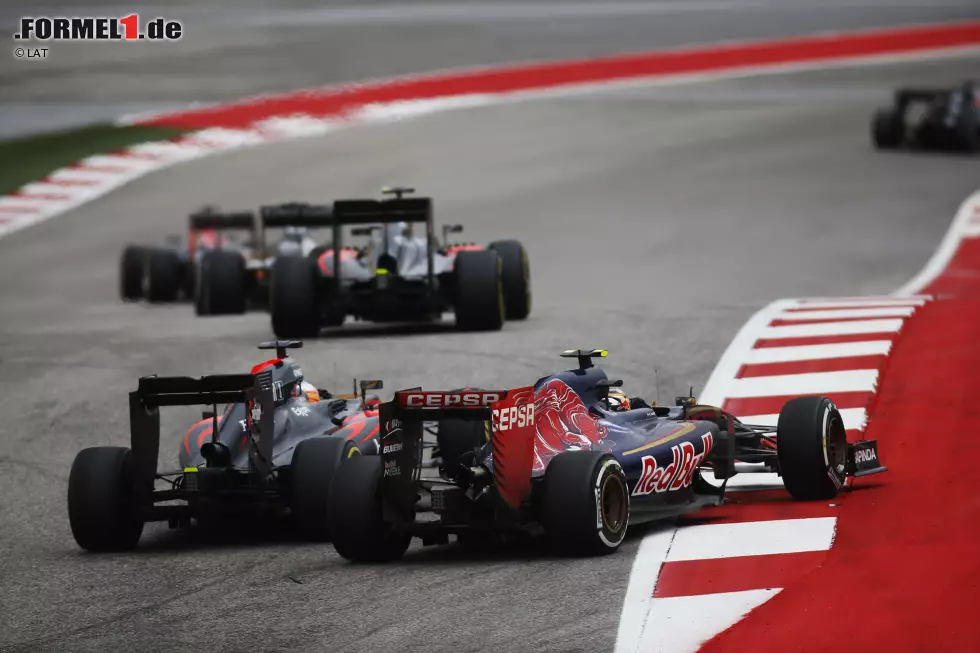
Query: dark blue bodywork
[[661, 451]]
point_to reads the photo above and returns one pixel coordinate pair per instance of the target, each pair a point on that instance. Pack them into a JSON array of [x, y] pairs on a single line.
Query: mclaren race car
[[397, 276], [934, 119], [273, 448], [574, 458]]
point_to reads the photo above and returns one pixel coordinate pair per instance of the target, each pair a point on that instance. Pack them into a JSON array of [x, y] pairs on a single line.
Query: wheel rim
[[837, 445], [612, 500]]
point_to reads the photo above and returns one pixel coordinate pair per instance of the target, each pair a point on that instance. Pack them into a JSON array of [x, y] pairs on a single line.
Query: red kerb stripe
[[693, 577], [805, 367]]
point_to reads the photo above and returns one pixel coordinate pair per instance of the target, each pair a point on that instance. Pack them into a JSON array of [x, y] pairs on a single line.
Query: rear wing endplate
[[255, 390]]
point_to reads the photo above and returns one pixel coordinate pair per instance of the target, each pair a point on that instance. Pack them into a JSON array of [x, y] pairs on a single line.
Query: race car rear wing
[[293, 214], [243, 220], [210, 219], [256, 390], [388, 211], [509, 418]]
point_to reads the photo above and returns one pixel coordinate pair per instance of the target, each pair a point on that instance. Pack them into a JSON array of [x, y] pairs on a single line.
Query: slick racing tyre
[[162, 273], [887, 129], [312, 471], [516, 278], [585, 503], [968, 133], [220, 288], [131, 272], [293, 300], [354, 514], [811, 445], [102, 506], [479, 291]]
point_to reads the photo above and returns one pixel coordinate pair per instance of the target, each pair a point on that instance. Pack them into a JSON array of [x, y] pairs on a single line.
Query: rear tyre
[[131, 272], [354, 514], [102, 507], [220, 288], [585, 503], [479, 291], [293, 298], [811, 445], [887, 129], [515, 272], [162, 271], [314, 464]]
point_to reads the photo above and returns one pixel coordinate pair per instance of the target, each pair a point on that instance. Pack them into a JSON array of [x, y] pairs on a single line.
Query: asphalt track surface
[[253, 46], [657, 221]]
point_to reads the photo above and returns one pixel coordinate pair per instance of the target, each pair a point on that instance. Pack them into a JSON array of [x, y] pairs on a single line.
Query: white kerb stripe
[[755, 538], [854, 418], [805, 384], [817, 352], [832, 329], [860, 301], [681, 624], [842, 313]]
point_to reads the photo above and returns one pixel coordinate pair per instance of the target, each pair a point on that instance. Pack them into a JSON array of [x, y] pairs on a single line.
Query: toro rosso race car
[[273, 449], [934, 119], [572, 457], [397, 276]]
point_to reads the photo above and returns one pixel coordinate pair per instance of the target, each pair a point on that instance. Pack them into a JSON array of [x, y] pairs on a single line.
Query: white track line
[[817, 352], [958, 230]]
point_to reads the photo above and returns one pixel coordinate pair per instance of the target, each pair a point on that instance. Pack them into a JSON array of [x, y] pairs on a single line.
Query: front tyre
[[811, 445], [313, 467], [515, 270], [354, 514], [585, 503], [102, 506]]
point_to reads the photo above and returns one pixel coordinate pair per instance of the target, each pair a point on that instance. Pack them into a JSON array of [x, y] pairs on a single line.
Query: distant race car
[[397, 276], [231, 281], [221, 273], [274, 447], [573, 457], [934, 119], [167, 273]]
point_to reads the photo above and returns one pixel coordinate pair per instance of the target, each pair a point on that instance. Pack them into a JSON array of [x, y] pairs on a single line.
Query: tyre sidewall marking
[[613, 467]]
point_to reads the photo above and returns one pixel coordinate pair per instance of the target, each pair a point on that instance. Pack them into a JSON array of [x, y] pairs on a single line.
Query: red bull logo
[[679, 474]]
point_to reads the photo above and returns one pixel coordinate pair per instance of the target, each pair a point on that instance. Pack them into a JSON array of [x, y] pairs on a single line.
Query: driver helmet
[[307, 390], [618, 401]]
